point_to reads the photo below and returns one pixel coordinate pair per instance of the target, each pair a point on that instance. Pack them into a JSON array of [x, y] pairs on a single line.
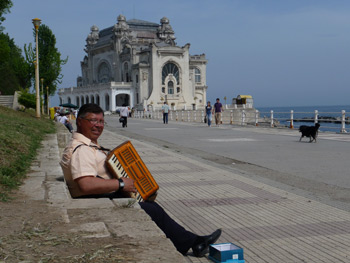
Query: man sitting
[[83, 165]]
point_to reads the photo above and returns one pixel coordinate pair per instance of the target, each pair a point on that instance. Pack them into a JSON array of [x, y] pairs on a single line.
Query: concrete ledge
[[33, 187]]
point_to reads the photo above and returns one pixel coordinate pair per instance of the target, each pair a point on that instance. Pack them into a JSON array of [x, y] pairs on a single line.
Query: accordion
[[124, 161]]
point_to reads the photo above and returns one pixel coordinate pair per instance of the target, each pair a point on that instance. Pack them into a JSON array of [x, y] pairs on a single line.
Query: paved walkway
[[271, 225]]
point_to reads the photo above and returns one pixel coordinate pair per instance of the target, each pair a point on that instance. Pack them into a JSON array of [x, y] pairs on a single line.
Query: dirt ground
[[31, 231]]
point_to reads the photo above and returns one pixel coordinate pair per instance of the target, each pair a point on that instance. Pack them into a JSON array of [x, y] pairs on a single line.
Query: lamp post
[[36, 23], [42, 94], [47, 100]]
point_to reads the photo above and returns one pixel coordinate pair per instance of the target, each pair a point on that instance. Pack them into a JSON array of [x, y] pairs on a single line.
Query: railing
[[334, 121], [330, 121]]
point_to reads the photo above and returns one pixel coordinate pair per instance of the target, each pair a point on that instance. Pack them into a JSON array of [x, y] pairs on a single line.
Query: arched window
[[69, 100], [87, 99], [121, 99], [98, 100], [170, 87], [126, 72], [92, 99], [197, 75], [107, 102], [104, 73], [82, 100], [77, 101], [170, 68]]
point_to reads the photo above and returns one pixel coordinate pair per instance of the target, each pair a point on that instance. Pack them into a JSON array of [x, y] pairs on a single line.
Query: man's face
[[91, 125]]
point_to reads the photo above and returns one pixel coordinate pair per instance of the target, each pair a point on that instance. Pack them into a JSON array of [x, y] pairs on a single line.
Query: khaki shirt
[[84, 161]]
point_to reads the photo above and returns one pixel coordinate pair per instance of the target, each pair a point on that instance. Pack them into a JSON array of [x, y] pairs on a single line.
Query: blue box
[[226, 252]]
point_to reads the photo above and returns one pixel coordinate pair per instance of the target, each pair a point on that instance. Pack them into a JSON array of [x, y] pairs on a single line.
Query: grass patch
[[20, 136]]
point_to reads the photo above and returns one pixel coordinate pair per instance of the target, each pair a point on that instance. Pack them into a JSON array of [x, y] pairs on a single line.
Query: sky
[[282, 52]]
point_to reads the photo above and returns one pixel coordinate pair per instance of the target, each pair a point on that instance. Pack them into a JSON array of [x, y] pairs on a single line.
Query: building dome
[[121, 18], [164, 20], [94, 28]]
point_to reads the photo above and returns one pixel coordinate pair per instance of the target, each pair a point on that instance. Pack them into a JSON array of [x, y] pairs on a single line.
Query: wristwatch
[[121, 184]]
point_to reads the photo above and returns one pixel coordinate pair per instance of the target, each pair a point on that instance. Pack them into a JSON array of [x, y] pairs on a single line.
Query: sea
[[307, 114]]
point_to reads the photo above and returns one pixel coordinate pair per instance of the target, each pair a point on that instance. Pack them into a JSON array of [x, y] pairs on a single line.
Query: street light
[[36, 23], [42, 94], [47, 100]]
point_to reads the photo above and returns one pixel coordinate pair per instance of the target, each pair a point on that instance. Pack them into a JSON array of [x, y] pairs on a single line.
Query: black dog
[[309, 131]]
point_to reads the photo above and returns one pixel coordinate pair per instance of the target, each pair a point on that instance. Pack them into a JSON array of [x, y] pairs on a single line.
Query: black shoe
[[201, 247]]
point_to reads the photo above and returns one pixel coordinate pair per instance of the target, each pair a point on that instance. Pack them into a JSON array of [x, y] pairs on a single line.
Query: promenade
[[271, 223]]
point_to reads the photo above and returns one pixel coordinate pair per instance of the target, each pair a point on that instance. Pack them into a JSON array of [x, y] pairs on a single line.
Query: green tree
[[50, 62], [14, 70], [5, 6], [28, 100]]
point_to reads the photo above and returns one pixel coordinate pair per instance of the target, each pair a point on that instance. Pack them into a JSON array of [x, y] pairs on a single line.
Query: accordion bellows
[[124, 161]]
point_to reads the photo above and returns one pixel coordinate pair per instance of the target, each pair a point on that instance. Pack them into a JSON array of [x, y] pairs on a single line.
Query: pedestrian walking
[[165, 110], [124, 113], [218, 110], [208, 110]]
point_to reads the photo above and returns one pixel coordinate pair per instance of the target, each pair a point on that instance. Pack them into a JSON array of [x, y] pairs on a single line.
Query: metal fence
[[332, 121]]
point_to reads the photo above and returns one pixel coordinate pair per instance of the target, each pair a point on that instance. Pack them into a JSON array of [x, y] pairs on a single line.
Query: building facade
[[138, 63]]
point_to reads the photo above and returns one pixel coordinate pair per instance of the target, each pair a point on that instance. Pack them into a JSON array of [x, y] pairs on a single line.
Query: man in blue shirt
[[165, 110]]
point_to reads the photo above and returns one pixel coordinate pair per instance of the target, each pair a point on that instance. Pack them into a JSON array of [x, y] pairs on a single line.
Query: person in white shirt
[[57, 116], [64, 120], [124, 113]]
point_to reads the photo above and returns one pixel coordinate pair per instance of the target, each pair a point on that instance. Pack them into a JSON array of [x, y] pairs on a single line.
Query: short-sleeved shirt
[[124, 111], [217, 107], [86, 160], [165, 108], [63, 119]]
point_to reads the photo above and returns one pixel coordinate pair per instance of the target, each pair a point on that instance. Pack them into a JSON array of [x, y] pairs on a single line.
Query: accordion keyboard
[[118, 168], [124, 161]]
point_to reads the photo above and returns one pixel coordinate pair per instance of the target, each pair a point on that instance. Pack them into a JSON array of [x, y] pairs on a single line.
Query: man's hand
[[129, 185]]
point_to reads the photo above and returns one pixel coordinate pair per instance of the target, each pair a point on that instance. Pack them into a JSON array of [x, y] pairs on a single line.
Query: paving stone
[[92, 230]]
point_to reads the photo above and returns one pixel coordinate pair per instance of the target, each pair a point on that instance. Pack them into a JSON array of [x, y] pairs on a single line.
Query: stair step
[[6, 100]]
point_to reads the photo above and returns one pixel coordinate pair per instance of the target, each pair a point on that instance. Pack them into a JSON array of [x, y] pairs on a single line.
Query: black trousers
[[125, 122], [165, 118], [182, 239]]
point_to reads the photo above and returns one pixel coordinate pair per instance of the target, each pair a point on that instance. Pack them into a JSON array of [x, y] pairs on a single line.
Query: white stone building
[[138, 63]]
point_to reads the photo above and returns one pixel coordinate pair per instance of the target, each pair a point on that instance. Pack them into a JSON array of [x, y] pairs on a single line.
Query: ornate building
[[138, 63]]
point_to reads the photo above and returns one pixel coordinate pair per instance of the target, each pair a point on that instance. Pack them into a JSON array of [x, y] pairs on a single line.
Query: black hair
[[89, 108]]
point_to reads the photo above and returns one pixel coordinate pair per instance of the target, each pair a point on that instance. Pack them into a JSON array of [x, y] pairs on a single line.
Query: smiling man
[[83, 165]]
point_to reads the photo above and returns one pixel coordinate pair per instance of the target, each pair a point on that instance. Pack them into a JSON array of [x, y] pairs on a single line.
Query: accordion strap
[[92, 146]]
